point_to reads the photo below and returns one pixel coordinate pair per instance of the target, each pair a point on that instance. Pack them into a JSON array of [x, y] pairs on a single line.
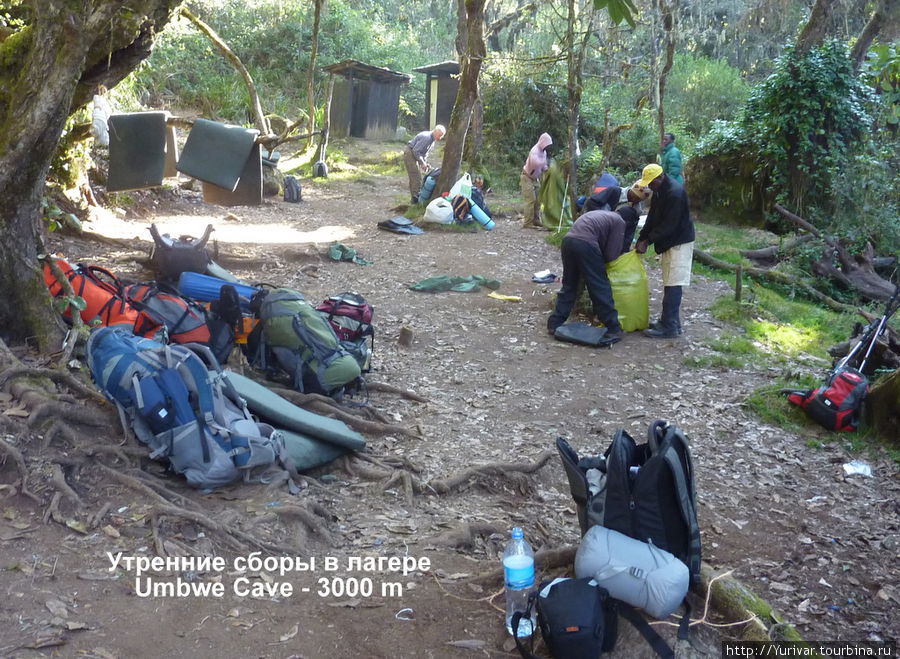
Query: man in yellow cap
[[670, 230]]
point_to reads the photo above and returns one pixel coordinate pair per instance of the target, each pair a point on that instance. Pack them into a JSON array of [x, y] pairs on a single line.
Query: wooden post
[[738, 282]]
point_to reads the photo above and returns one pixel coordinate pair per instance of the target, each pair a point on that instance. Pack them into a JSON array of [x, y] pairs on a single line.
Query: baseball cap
[[651, 172]]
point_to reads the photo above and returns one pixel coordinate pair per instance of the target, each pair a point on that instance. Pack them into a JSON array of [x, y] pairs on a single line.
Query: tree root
[[68, 413], [327, 407], [124, 453], [463, 537], [235, 537], [19, 459], [391, 389], [58, 481], [499, 469], [57, 376], [133, 483], [308, 518], [52, 511], [546, 559], [97, 518]]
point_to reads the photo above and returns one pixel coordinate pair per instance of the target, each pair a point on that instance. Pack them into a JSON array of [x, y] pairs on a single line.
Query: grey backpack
[[177, 402]]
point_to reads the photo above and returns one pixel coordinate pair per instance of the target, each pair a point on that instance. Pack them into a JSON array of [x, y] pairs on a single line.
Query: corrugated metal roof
[[352, 67], [450, 66]]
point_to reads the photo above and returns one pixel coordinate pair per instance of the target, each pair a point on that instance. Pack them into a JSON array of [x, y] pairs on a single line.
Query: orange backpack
[[103, 294]]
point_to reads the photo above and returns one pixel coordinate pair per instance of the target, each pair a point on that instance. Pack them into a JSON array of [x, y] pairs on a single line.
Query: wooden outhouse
[[441, 86], [366, 100]]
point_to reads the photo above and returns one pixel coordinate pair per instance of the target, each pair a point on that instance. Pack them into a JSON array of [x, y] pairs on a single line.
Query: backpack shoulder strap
[[638, 621], [676, 453]]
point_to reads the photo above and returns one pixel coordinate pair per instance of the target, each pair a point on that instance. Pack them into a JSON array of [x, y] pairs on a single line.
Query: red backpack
[[836, 404], [159, 306], [101, 290], [350, 316]]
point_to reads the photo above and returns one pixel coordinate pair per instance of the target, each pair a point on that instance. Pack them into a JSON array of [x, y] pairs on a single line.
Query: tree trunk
[[38, 90], [470, 68], [885, 19], [311, 74], [668, 25], [882, 409], [816, 28]]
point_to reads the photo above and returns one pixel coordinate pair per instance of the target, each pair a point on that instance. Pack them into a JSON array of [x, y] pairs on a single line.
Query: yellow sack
[[630, 290]]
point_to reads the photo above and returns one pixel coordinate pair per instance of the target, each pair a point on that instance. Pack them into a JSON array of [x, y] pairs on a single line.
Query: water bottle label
[[519, 571]]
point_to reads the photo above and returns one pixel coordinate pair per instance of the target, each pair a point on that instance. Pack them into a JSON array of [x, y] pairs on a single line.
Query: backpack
[[101, 290], [462, 209], [161, 307], [292, 191], [645, 491], [170, 256], [837, 403], [577, 619], [351, 318], [294, 336], [176, 401]]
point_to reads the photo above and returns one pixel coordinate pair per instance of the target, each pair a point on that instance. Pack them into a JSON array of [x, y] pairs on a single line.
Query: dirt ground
[[821, 546]]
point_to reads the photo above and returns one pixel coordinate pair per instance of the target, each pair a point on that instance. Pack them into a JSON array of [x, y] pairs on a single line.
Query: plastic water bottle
[[518, 570]]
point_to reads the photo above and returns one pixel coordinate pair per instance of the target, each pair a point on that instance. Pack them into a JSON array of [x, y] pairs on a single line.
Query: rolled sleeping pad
[[481, 217], [213, 269], [427, 189], [308, 452], [636, 572], [206, 288]]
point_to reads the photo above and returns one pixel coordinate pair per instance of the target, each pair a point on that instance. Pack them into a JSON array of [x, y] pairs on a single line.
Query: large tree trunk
[[470, 68], [882, 409], [311, 73], [817, 26], [38, 91], [667, 17], [884, 20]]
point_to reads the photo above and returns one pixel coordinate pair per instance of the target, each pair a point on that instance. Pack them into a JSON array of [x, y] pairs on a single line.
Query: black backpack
[[645, 491], [172, 256], [292, 191], [577, 619]]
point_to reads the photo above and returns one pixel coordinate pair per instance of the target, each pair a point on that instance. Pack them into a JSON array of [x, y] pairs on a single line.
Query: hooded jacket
[[669, 220], [538, 162]]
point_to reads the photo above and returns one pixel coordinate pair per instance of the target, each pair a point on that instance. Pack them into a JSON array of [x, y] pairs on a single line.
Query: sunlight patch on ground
[[784, 339], [107, 224]]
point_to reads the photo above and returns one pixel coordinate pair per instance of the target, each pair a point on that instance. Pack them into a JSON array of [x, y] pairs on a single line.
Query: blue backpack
[[177, 402]]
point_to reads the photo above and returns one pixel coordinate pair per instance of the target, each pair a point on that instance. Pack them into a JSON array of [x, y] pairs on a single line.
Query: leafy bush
[[700, 91]]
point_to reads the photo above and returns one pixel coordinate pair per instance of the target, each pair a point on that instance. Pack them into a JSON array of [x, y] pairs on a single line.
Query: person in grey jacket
[[415, 156], [593, 241]]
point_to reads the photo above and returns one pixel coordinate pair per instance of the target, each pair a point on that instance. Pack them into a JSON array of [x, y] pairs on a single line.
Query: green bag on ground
[[303, 344], [630, 290], [554, 197], [443, 283]]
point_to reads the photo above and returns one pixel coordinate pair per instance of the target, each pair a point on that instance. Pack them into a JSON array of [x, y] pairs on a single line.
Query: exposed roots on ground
[[372, 469], [234, 537], [57, 376], [546, 559], [463, 537], [11, 451], [309, 517], [391, 389], [328, 407], [58, 481]]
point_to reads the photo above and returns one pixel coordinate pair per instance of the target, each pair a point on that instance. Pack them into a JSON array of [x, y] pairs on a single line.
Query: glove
[[641, 246]]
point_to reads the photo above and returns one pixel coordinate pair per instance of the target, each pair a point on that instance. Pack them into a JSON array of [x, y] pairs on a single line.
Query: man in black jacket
[[594, 240], [670, 230]]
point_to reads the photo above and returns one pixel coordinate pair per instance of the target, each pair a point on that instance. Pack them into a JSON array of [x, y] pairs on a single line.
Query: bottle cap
[[517, 533]]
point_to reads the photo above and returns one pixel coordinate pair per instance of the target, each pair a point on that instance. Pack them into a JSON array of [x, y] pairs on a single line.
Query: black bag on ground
[[577, 619], [292, 192], [172, 256]]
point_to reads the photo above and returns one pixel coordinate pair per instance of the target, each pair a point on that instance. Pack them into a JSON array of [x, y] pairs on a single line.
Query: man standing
[[415, 155], [537, 163], [670, 230], [593, 241], [670, 158]]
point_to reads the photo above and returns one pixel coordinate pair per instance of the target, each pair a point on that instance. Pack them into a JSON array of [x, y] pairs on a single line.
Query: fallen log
[[777, 277], [853, 271], [771, 254]]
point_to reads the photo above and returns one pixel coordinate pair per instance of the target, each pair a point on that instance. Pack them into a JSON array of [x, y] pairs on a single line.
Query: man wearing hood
[[537, 163]]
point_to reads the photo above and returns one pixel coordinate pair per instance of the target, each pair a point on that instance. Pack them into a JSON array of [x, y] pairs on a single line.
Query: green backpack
[[297, 339]]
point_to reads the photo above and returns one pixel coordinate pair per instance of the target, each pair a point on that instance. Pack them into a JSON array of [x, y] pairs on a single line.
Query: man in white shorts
[[670, 230]]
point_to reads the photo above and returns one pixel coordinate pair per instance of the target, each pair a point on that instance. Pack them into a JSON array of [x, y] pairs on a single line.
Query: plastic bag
[[463, 186], [439, 211], [630, 290]]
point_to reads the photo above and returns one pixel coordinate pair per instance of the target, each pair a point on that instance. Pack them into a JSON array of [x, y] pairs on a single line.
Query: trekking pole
[[889, 311], [562, 206]]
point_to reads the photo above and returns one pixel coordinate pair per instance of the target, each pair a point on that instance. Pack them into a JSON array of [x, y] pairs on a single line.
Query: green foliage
[[619, 10], [699, 91]]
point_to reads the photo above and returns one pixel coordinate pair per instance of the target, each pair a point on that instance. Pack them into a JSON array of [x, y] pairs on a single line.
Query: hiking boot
[[415, 200], [657, 325], [661, 333], [613, 337]]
